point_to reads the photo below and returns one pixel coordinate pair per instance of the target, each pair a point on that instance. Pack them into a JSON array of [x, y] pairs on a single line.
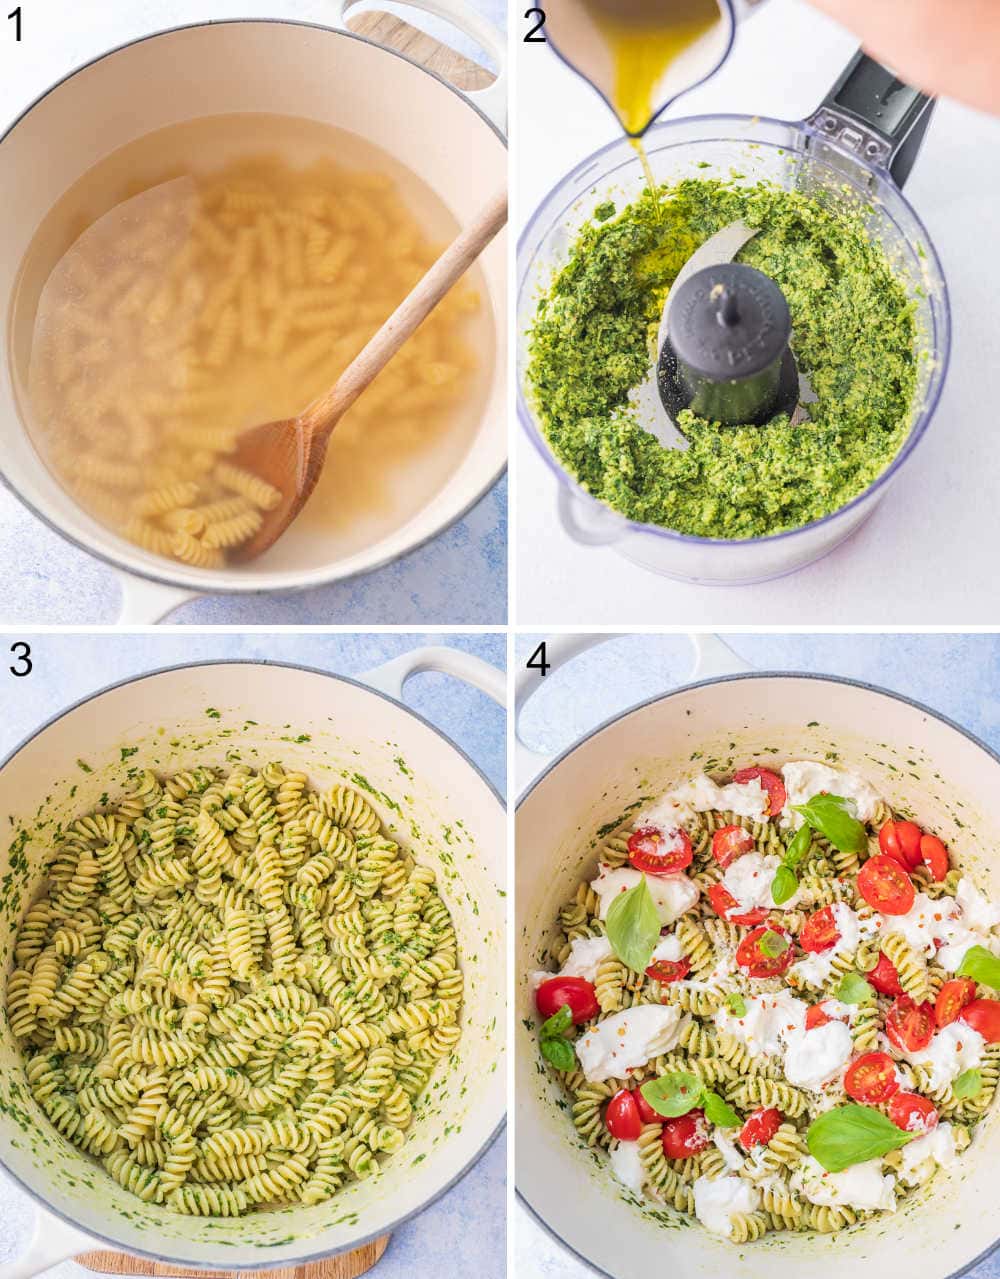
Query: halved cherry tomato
[[934, 855], [729, 842], [885, 978], [910, 1026], [685, 1136], [901, 841], [575, 991], [884, 884], [952, 998], [666, 970], [646, 1112], [983, 1015], [816, 1016], [757, 962], [912, 1113], [622, 1118], [660, 852], [724, 903], [771, 782], [871, 1079], [760, 1127], [820, 931]]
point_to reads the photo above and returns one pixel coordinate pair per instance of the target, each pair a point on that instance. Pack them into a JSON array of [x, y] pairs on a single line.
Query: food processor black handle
[[875, 115]]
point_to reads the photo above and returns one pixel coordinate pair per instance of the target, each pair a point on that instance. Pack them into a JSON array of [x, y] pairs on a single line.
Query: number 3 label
[[23, 664]]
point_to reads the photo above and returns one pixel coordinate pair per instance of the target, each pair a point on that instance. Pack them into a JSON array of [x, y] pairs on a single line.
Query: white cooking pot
[[921, 762], [451, 819], [454, 141]]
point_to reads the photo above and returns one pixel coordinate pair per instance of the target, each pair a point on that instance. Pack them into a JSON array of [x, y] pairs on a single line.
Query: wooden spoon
[[290, 455]]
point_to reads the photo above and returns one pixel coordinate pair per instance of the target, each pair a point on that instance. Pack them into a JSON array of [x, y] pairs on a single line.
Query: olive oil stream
[[643, 39]]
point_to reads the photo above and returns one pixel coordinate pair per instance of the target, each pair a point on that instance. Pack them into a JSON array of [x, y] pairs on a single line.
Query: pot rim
[[206, 584], [474, 1159], [917, 431], [818, 677]]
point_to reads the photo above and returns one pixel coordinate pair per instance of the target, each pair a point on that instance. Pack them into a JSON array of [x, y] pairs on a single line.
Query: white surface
[[939, 523]]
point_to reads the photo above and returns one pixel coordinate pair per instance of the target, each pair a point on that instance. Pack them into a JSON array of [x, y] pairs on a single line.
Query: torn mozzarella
[[627, 1165], [954, 1049], [749, 879], [700, 795], [717, 1202], [626, 1040], [863, 1187], [767, 1022], [673, 895], [807, 778]]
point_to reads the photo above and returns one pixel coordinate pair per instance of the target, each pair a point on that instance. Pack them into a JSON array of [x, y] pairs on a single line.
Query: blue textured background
[[460, 578], [958, 675], [464, 1230]]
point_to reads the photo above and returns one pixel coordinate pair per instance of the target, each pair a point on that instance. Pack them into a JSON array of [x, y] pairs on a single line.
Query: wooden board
[[347, 1266], [387, 29]]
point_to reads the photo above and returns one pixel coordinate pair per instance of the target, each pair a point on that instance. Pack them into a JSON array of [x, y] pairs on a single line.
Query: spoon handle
[[324, 414]]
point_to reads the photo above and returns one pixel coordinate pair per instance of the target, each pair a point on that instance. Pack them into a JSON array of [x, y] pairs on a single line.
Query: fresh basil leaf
[[799, 846], [719, 1112], [850, 1135], [772, 944], [736, 1004], [633, 926], [784, 885], [557, 1024], [828, 814], [854, 989], [968, 1084], [674, 1094], [559, 1052], [981, 965]]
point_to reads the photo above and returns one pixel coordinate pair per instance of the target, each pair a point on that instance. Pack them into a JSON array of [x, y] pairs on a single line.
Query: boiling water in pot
[[221, 273]]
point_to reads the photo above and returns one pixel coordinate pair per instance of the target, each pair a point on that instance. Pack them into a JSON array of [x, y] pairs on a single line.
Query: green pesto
[[853, 333]]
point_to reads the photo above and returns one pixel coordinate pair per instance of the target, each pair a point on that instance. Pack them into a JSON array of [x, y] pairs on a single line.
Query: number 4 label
[[15, 17], [538, 661]]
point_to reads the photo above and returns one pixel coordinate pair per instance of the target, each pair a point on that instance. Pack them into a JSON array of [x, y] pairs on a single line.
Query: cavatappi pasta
[[233, 989], [201, 305], [843, 994]]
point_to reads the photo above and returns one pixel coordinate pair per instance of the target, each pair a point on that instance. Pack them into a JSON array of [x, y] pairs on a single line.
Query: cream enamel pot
[[282, 68], [354, 728], [731, 712]]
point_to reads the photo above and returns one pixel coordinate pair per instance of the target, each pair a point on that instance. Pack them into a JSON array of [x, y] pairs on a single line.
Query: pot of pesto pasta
[[207, 245], [253, 964], [823, 217], [757, 982]]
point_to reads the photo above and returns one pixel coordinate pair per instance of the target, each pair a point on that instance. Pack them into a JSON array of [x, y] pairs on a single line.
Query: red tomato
[[816, 1016], [884, 884], [771, 782], [901, 841], [728, 842], [685, 1136], [871, 1079], [622, 1118], [820, 931], [934, 855], [659, 853], [983, 1015], [912, 1113], [575, 991], [910, 1026], [885, 978], [952, 998], [646, 1112], [760, 1127], [666, 970], [723, 902], [759, 964]]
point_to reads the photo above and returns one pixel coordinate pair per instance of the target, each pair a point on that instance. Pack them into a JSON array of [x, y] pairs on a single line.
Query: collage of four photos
[[501, 681]]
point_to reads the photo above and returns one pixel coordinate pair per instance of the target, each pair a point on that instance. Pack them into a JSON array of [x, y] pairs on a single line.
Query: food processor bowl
[[803, 156]]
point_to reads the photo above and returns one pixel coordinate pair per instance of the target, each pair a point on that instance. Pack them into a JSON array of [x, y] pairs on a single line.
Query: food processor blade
[[648, 400]]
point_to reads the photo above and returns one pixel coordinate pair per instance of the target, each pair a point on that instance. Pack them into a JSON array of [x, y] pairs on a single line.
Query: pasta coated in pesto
[[234, 989]]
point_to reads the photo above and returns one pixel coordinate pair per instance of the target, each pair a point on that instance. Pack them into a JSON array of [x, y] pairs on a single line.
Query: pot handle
[[144, 603], [713, 658], [492, 101], [53, 1241], [392, 675]]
